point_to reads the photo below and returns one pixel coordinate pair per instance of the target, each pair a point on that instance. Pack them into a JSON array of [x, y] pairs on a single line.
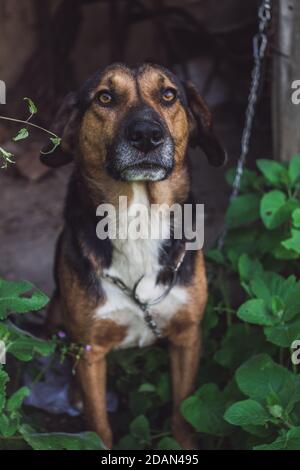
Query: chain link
[[146, 306], [260, 42]]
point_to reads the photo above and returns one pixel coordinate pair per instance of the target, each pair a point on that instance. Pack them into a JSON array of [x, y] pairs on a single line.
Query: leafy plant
[[23, 133], [15, 430], [248, 389], [257, 288], [270, 208]]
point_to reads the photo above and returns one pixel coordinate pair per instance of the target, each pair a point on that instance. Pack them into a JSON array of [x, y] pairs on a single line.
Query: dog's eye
[[105, 98], [169, 95]]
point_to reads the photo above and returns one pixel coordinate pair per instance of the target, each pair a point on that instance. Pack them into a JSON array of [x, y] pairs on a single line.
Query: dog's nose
[[145, 135]]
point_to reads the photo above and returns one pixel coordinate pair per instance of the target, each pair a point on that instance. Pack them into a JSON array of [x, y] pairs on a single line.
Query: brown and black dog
[[127, 131]]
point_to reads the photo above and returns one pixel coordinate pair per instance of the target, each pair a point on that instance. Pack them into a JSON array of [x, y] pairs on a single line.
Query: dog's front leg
[[91, 372], [184, 356]]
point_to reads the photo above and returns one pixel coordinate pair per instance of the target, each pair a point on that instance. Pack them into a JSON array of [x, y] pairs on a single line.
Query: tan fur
[[104, 121], [74, 307]]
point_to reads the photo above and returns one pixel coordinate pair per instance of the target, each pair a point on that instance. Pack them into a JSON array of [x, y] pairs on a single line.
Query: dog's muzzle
[[143, 152]]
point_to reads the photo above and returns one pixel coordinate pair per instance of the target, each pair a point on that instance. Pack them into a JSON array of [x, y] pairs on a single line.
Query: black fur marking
[[174, 79], [80, 214], [171, 249], [85, 93], [80, 228]]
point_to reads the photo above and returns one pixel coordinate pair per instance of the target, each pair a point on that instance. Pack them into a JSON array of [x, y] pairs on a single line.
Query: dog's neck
[[81, 221], [104, 189]]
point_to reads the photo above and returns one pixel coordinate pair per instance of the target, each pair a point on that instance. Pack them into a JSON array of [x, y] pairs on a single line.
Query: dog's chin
[[144, 173], [129, 164]]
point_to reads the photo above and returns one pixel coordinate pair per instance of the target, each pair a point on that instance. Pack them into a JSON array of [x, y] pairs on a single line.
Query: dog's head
[[134, 123]]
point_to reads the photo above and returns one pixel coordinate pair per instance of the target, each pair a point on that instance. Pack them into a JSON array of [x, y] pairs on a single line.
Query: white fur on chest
[[133, 259]]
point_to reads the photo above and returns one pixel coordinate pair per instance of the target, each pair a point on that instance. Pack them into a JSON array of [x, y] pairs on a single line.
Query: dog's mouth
[[127, 163], [144, 171]]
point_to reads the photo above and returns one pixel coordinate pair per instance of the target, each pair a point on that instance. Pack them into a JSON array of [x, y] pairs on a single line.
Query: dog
[[128, 130]]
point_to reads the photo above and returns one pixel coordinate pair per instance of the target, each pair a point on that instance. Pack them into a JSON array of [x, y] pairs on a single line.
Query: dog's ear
[[65, 126], [201, 132]]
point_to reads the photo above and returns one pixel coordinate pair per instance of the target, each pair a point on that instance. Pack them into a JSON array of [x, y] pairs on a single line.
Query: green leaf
[[290, 295], [261, 379], [247, 412], [293, 243], [31, 106], [294, 169], [6, 156], [282, 296], [283, 335], [168, 443], [288, 440], [241, 241], [277, 299], [296, 218], [240, 342], [16, 400], [21, 135], [276, 411], [259, 288], [20, 297], [205, 410], [249, 179], [140, 403], [273, 171], [215, 256], [249, 267], [5, 153], [147, 388], [128, 443], [140, 429], [8, 425], [259, 431], [61, 440], [163, 388], [243, 210], [277, 306], [283, 254], [3, 381], [22, 344], [273, 209], [255, 311], [56, 142], [210, 319]]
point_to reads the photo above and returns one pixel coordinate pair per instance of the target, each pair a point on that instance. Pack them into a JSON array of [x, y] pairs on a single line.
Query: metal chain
[[146, 306], [260, 42]]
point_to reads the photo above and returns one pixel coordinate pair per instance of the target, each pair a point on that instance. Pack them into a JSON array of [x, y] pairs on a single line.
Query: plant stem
[[14, 438], [224, 290], [20, 121]]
